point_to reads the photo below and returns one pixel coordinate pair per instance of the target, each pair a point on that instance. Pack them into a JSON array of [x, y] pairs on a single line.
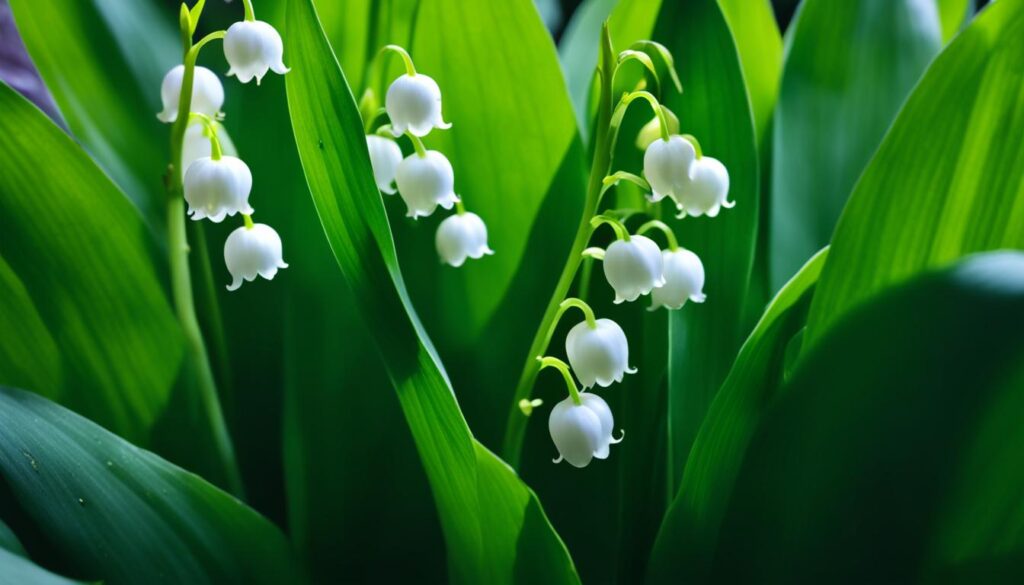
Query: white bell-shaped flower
[[581, 432], [707, 191], [462, 236], [424, 182], [600, 354], [207, 93], [385, 155], [633, 268], [413, 103], [253, 250], [684, 280], [668, 166], [251, 48], [215, 189]]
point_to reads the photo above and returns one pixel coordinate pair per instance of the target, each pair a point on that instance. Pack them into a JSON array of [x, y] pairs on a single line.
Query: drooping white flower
[[581, 432], [600, 354], [217, 188], [633, 268], [413, 103], [251, 48], [207, 93], [462, 236], [424, 182], [668, 166], [684, 280], [250, 251], [707, 191], [385, 155], [196, 144]]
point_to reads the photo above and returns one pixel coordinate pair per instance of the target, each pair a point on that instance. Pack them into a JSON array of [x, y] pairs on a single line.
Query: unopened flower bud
[[633, 268], [217, 188], [253, 250], [424, 182], [413, 103], [251, 48], [462, 236], [600, 354], [684, 280], [207, 93], [385, 155]]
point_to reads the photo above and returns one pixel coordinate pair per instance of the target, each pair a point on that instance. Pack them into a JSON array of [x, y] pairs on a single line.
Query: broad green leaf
[[118, 513], [578, 51], [84, 258], [486, 542], [686, 541], [892, 454], [760, 48], [849, 67], [512, 128], [953, 14], [29, 357], [103, 62], [17, 568], [348, 24], [704, 338], [949, 178]]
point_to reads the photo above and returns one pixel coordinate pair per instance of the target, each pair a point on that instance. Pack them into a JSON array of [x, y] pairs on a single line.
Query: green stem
[[696, 144], [250, 15], [410, 69], [417, 144], [211, 132], [588, 313], [620, 113], [248, 221], [181, 277], [570, 384], [515, 429], [621, 233], [655, 224], [459, 207]]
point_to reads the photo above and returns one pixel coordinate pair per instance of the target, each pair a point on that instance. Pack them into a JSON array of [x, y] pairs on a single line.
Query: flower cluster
[[674, 169], [425, 179], [214, 184]]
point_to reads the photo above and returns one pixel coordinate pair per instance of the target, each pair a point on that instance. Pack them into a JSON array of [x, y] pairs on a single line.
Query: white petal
[[253, 48], [632, 268], [598, 355], [668, 165], [684, 280], [413, 104], [599, 407], [249, 252], [385, 155], [426, 182], [207, 93], [575, 431], [461, 236], [217, 188], [708, 190]]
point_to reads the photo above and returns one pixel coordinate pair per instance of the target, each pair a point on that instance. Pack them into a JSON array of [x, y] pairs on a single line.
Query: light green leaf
[[83, 257], [704, 338], [954, 14], [893, 452], [578, 51], [486, 542], [843, 83], [949, 178], [512, 128], [17, 569], [28, 354], [686, 541], [759, 44], [83, 49], [121, 514]]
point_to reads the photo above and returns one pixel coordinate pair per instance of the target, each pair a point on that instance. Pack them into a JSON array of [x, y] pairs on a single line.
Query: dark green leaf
[[893, 454], [118, 513], [83, 50], [759, 44], [849, 67], [481, 537], [949, 178], [686, 541], [82, 255]]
